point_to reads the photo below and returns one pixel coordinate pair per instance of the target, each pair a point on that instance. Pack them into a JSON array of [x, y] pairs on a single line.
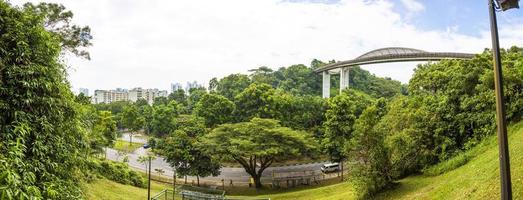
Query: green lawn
[[104, 189], [124, 146], [477, 179]]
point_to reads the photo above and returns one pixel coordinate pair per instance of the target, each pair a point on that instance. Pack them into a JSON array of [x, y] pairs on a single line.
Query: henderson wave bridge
[[383, 55]]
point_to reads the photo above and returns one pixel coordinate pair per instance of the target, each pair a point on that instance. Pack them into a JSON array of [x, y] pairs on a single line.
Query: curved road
[[237, 175]]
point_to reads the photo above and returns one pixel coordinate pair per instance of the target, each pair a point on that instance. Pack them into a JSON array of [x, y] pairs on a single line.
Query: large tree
[[42, 142], [181, 150], [257, 144], [256, 101], [162, 118], [215, 109]]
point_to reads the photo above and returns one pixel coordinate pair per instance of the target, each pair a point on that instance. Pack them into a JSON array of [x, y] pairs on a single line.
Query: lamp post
[[504, 161]]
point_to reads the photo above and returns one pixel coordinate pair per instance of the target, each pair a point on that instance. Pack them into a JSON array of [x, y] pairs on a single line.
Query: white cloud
[[156, 42], [413, 5]]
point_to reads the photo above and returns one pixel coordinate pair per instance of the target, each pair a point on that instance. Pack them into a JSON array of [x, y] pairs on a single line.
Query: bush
[[115, 171]]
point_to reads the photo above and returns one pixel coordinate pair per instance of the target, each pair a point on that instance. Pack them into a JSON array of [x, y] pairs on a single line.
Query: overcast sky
[[152, 43]]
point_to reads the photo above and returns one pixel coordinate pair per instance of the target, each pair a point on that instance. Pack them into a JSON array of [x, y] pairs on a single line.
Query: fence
[[197, 193]]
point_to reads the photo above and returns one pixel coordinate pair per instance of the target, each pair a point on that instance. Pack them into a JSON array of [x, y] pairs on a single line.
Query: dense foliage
[[43, 144]]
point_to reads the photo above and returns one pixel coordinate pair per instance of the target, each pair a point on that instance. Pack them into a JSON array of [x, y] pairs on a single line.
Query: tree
[[42, 142], [57, 20], [181, 151], [160, 101], [341, 114], [215, 109], [299, 80], [257, 142], [195, 95], [162, 118], [368, 156], [132, 120], [232, 85], [256, 101], [178, 96], [263, 75], [103, 132]]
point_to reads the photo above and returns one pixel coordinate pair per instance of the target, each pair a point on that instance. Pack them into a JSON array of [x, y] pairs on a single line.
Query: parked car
[[330, 167], [145, 146]]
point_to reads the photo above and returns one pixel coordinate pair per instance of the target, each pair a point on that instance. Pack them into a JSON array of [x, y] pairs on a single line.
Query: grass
[[104, 189], [124, 146], [477, 179]]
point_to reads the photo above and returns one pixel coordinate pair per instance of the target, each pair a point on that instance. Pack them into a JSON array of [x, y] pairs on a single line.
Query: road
[[237, 175]]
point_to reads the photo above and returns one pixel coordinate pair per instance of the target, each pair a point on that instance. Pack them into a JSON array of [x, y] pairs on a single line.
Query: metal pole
[[149, 183], [504, 161]]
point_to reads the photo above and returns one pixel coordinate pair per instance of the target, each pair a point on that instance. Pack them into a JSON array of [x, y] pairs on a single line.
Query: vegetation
[[259, 141], [43, 144]]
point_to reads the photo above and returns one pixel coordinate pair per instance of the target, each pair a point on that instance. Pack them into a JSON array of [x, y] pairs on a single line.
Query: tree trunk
[[197, 180], [130, 139], [257, 181]]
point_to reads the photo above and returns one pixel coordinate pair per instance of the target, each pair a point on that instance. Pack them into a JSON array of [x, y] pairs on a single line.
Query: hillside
[[477, 179]]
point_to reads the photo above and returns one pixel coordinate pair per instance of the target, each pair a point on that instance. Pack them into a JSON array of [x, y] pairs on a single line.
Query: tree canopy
[[260, 141]]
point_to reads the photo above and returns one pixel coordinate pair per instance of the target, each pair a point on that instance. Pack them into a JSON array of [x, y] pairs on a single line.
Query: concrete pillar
[[326, 84], [344, 78]]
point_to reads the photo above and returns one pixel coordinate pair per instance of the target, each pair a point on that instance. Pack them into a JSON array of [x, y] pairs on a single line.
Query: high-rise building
[[175, 87], [84, 91], [191, 85], [148, 94]]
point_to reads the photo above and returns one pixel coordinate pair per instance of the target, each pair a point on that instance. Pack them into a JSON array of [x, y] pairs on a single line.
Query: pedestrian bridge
[[383, 55]]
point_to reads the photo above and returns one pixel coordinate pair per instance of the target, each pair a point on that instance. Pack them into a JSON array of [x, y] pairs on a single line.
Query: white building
[[108, 96], [148, 94]]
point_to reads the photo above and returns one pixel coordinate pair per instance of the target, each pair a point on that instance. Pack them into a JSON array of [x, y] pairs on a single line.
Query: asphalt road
[[237, 175]]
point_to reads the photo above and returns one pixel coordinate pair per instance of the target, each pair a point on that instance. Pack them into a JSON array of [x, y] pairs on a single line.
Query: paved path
[[237, 175]]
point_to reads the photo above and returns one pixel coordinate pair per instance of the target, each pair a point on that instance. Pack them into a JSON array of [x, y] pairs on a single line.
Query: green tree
[[103, 132], [367, 154], [215, 109], [256, 101], [341, 115], [57, 20], [257, 142], [195, 95], [181, 150], [42, 142], [263, 75], [160, 100], [162, 118], [178, 96], [232, 85], [132, 120]]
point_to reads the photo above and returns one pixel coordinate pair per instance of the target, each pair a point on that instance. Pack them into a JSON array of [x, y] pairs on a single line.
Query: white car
[[330, 167]]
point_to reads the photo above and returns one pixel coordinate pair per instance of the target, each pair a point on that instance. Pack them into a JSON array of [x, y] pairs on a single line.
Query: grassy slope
[[104, 189], [478, 179]]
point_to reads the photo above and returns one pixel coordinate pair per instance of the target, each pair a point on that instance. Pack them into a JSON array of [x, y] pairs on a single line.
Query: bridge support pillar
[[344, 78], [326, 90]]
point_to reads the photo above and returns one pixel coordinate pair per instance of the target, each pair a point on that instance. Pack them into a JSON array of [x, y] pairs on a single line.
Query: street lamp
[[504, 161], [150, 144]]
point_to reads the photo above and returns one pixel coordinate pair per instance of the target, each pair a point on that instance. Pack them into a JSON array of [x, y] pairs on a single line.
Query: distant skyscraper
[[84, 91], [175, 86], [191, 85]]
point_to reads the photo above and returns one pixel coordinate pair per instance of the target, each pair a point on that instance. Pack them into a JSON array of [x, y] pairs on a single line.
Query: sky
[[153, 43]]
